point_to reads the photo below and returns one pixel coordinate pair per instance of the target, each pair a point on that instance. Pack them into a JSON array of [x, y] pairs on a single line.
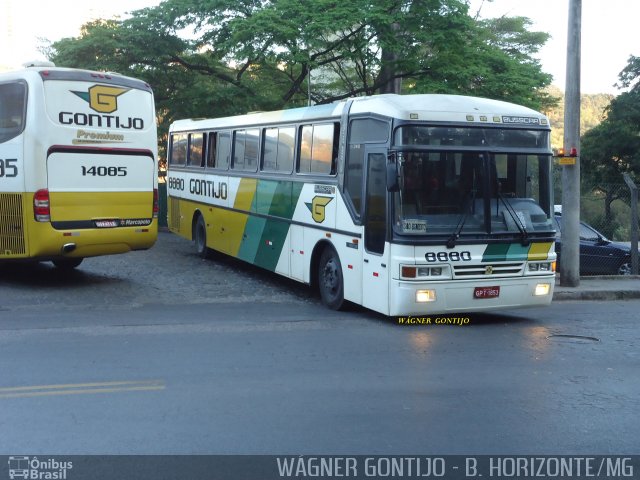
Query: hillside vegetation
[[592, 112]]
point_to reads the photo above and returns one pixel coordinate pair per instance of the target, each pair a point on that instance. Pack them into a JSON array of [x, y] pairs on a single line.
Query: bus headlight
[[542, 289], [423, 272], [541, 267], [424, 296]]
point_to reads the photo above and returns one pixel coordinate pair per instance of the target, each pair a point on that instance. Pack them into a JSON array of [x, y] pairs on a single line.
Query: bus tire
[[67, 263], [330, 281], [200, 237]]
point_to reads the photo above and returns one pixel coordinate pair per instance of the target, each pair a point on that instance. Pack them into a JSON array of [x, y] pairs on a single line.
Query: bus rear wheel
[[330, 281], [200, 237], [67, 263]]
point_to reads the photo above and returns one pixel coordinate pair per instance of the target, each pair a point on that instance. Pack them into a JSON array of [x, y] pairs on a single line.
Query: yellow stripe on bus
[[539, 251], [235, 228], [74, 206]]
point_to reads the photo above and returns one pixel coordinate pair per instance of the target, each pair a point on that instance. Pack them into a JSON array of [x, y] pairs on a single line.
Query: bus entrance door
[[375, 282]]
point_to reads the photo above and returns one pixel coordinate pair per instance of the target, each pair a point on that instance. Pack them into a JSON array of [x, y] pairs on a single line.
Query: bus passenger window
[[277, 149], [286, 149], [306, 142], [12, 102], [178, 149], [270, 150], [318, 149], [251, 149], [238, 150], [223, 150], [211, 149], [245, 150], [196, 144]]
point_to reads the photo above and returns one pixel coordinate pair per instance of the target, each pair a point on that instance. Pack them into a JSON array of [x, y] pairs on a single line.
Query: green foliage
[[630, 75], [592, 113], [211, 58], [612, 148]]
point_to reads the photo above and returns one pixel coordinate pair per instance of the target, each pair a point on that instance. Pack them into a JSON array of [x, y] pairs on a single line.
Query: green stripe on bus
[[265, 191], [283, 205], [263, 239], [251, 238], [496, 252], [517, 252], [271, 243]]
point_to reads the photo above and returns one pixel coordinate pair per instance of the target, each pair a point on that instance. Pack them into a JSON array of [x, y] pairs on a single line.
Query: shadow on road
[[44, 274]]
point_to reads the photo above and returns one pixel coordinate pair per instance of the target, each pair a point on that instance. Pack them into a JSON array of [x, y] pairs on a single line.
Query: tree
[[592, 113], [613, 147], [221, 57]]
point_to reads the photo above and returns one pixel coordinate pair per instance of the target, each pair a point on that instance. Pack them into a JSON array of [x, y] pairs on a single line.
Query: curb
[[597, 295]]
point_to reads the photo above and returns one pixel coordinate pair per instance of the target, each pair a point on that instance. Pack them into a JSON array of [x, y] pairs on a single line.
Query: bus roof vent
[[38, 63]]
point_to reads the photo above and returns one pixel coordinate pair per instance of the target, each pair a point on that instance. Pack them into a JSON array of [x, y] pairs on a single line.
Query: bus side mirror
[[393, 176]]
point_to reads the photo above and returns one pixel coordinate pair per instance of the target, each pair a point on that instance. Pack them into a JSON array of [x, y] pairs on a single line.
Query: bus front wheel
[[330, 280], [200, 237]]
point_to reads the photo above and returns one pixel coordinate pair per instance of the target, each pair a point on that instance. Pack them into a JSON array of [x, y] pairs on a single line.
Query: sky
[[609, 31]]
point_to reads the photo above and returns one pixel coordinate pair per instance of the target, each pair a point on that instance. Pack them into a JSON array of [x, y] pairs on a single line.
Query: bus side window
[[278, 149], [251, 149], [245, 150], [12, 107], [238, 150], [223, 150], [318, 149], [196, 146], [178, 154], [211, 149]]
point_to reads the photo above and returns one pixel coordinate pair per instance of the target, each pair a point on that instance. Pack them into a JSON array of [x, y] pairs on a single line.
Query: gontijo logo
[[102, 98], [317, 207]]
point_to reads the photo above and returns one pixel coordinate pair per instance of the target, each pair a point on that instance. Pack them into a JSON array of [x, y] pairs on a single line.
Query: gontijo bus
[[408, 205], [78, 165]]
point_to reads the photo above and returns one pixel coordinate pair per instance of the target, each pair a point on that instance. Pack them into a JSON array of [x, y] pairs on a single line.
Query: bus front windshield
[[457, 194]]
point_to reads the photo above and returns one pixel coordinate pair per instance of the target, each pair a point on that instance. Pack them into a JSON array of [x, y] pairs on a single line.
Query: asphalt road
[[161, 352]]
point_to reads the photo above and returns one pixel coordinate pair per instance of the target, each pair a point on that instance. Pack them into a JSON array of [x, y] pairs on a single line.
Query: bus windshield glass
[[507, 138], [472, 193]]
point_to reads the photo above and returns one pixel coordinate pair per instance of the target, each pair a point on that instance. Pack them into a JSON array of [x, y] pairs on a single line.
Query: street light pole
[[570, 266]]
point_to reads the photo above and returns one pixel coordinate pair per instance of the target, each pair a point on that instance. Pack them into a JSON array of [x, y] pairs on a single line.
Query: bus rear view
[[83, 148]]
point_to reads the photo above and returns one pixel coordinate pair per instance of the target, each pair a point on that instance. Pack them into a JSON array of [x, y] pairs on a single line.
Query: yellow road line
[[81, 388]]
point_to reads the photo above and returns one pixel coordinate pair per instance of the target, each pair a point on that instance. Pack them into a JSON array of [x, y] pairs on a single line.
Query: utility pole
[[570, 267]]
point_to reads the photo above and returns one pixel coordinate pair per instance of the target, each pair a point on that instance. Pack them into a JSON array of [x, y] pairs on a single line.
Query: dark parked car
[[598, 255]]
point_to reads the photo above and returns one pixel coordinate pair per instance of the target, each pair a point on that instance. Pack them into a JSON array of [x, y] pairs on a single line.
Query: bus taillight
[[156, 209], [41, 208]]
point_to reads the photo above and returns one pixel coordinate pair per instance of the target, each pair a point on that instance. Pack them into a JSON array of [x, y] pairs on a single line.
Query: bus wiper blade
[[517, 220], [451, 241]]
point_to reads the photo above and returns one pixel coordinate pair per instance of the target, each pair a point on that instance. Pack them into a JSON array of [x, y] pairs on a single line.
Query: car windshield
[[472, 193], [587, 232]]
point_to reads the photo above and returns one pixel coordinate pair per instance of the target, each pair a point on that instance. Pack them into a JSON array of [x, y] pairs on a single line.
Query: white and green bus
[[78, 165], [407, 205]]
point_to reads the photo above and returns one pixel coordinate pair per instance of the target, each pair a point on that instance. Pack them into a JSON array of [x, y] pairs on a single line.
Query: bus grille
[[174, 214], [489, 270], [11, 226]]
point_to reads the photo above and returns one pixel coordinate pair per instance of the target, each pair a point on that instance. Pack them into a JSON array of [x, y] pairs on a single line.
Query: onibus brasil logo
[[40, 469], [102, 98]]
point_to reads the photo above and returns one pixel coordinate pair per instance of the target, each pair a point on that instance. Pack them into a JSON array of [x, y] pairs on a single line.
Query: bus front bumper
[[417, 298]]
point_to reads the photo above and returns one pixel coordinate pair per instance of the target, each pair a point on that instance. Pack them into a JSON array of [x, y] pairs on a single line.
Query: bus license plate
[[486, 292]]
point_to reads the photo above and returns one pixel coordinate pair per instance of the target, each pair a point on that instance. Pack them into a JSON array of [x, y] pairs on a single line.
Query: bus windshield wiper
[[517, 220], [451, 241]]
